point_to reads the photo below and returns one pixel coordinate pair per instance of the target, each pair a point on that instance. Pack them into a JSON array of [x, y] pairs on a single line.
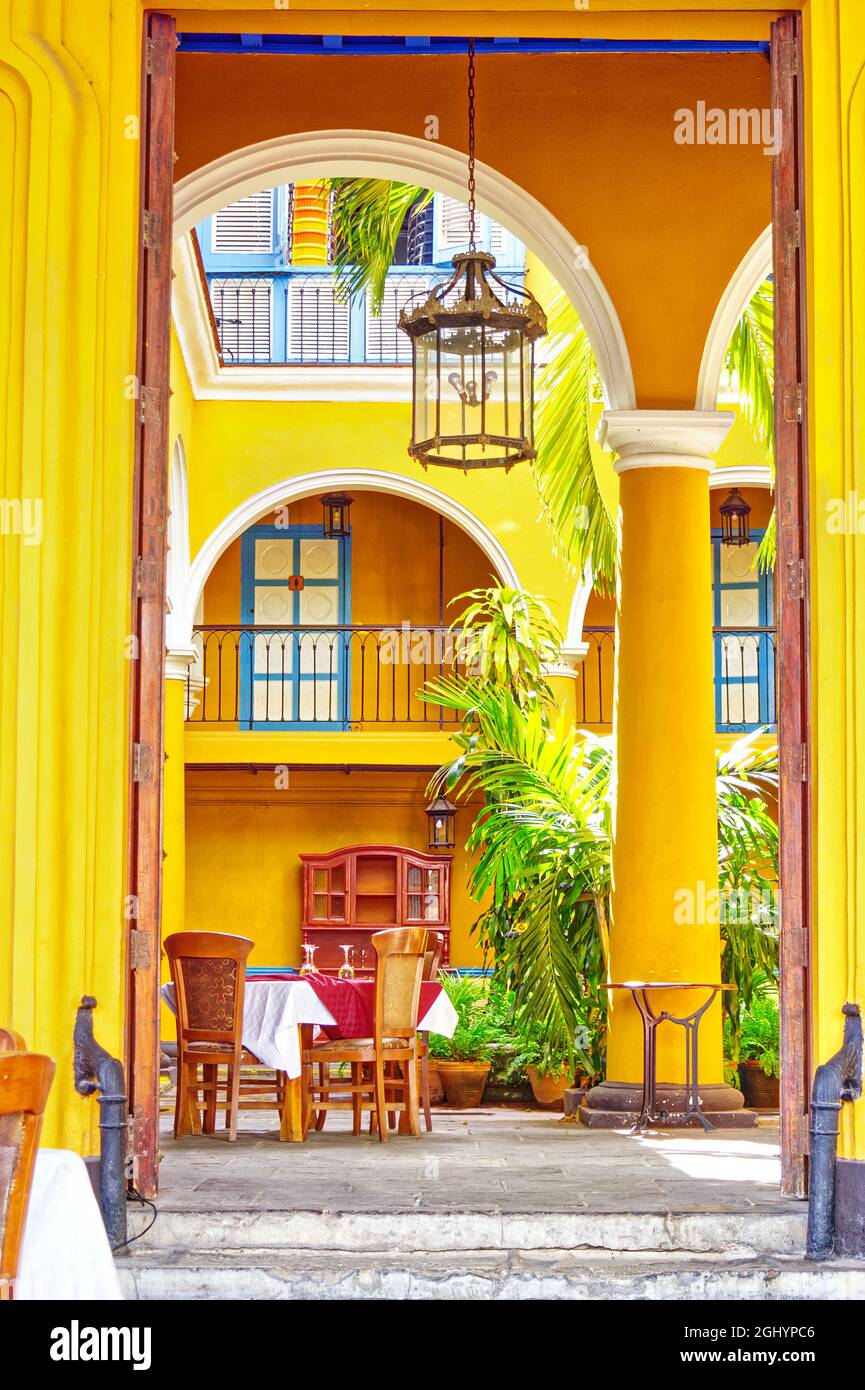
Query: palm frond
[[367, 216], [750, 362], [564, 470]]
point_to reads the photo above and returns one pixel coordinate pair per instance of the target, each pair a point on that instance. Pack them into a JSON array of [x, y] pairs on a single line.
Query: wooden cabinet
[[351, 893]]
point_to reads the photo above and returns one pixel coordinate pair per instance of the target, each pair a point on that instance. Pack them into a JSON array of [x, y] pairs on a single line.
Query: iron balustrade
[[746, 678], [348, 677], [294, 317], [341, 677]]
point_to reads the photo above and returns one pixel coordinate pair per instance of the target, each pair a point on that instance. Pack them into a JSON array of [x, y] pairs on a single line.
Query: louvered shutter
[[452, 227], [385, 342], [246, 227], [242, 309], [317, 321]]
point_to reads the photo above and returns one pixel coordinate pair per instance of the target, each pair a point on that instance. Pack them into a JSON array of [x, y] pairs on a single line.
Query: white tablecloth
[[64, 1250], [272, 1010]]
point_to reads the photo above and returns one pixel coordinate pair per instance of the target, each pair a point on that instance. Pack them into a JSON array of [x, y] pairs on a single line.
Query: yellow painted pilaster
[[665, 855], [174, 815], [69, 167]]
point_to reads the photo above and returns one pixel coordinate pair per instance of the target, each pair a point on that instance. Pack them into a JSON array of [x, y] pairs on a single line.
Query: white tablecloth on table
[[64, 1250], [272, 1010]]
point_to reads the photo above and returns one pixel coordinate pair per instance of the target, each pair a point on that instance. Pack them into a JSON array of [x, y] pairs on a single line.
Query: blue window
[[744, 638], [295, 606]]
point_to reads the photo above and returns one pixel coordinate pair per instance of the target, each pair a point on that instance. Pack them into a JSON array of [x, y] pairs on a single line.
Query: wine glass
[[346, 970], [309, 966]]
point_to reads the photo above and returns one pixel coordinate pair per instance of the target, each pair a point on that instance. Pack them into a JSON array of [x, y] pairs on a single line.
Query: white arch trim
[[750, 273], [177, 563], [305, 484], [382, 154]]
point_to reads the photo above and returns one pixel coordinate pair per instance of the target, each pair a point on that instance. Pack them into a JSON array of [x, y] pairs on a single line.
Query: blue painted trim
[[248, 584], [765, 584], [349, 45]]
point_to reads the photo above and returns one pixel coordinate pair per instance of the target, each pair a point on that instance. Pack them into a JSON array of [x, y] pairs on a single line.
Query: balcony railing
[[337, 678], [351, 678], [746, 678], [294, 317]]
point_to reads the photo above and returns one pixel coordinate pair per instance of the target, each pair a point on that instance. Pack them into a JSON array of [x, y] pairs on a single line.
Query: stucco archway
[[750, 273], [309, 484], [382, 154]]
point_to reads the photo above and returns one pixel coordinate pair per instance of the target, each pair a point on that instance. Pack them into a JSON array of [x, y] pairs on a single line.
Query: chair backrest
[[433, 955], [10, 1041], [25, 1080], [209, 972], [398, 970]]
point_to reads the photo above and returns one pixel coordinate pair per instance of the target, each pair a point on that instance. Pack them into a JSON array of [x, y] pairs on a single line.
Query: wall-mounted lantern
[[735, 511], [442, 823], [336, 507]]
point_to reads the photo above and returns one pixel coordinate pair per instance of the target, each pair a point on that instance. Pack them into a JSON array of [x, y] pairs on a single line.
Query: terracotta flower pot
[[464, 1082], [436, 1086], [548, 1090], [761, 1092]]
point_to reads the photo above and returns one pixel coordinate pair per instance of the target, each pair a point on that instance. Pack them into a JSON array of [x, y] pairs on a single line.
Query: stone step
[[738, 1235], [481, 1274]]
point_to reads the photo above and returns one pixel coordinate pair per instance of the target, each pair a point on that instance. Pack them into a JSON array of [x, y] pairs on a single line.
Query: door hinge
[[147, 575], [142, 762], [149, 405], [795, 579], [139, 950], [789, 58], [796, 758], [151, 239], [148, 57], [793, 404]]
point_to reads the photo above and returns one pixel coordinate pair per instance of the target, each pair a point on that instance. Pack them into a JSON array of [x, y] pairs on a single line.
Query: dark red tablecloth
[[352, 1003]]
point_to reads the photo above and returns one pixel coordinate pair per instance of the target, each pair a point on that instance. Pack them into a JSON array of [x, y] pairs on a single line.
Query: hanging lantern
[[472, 343], [336, 507], [735, 511], [442, 823]]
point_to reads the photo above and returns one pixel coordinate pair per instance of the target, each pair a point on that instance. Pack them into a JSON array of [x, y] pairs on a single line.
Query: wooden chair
[[209, 974], [10, 1041], [431, 965], [387, 1062], [25, 1080]]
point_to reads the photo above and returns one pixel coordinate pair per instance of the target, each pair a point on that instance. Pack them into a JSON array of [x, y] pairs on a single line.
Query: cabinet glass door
[[423, 894]]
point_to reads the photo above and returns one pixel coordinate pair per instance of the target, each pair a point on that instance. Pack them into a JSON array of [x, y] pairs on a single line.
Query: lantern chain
[[472, 246]]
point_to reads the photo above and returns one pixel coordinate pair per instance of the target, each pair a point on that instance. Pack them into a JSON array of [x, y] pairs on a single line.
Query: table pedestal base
[[617, 1105]]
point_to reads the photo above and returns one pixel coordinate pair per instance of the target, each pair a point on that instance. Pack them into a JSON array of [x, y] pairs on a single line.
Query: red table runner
[[352, 1003]]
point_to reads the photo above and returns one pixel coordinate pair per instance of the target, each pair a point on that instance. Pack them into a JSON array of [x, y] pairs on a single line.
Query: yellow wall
[[244, 834]]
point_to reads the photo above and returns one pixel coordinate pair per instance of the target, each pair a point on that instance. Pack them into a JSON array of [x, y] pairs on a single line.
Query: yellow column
[[665, 860]]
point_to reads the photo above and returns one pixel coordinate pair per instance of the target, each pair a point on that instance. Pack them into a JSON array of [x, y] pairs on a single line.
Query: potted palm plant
[[463, 1061], [759, 1062]]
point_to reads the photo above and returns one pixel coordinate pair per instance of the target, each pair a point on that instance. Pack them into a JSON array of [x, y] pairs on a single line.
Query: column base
[[617, 1104]]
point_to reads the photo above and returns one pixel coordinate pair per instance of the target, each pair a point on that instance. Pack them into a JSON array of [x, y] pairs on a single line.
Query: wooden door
[[148, 597], [792, 596]]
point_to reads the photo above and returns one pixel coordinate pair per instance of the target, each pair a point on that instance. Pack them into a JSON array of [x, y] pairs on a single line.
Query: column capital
[[178, 661], [664, 438]]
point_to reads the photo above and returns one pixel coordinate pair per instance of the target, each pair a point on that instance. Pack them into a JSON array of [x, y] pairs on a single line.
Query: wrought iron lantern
[[442, 823], [735, 529], [336, 507], [472, 342]]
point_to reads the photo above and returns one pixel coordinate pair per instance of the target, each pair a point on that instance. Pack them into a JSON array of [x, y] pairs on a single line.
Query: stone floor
[[503, 1160]]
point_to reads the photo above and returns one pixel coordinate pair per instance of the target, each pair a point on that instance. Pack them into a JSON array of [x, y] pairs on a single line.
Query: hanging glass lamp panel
[[472, 362]]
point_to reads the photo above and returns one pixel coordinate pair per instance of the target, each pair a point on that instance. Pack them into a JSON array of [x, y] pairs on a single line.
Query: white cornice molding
[[332, 480], [382, 154], [749, 274], [744, 476], [663, 438]]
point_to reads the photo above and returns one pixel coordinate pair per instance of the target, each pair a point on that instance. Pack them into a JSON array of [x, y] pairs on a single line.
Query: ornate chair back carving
[[25, 1081], [398, 971], [209, 972]]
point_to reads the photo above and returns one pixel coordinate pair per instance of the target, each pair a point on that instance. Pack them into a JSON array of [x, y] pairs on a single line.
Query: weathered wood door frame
[[148, 595], [792, 590]]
